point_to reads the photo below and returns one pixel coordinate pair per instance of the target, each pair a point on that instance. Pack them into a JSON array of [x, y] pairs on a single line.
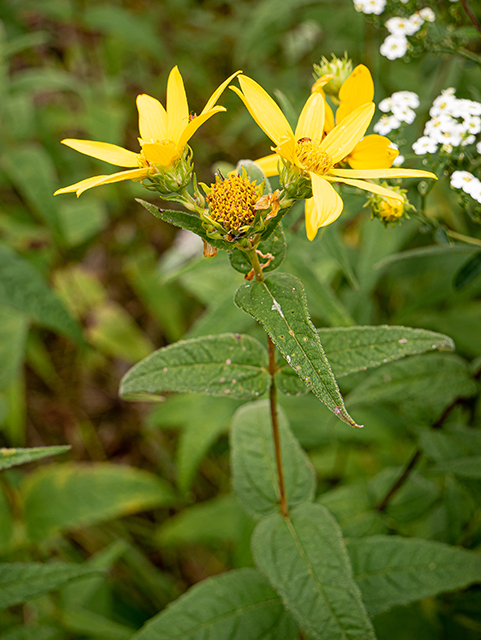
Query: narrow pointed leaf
[[468, 272], [13, 457], [279, 304], [306, 562]]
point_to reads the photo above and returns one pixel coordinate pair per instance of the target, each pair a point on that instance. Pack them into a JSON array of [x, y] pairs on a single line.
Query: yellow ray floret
[[164, 134], [316, 156]]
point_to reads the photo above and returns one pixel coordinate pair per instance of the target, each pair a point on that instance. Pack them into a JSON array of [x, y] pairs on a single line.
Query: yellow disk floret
[[232, 201], [312, 158]]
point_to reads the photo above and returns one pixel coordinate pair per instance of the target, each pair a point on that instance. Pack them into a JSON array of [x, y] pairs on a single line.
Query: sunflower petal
[[263, 109], [311, 121], [373, 152], [152, 119], [269, 165], [326, 207], [194, 124], [344, 137], [382, 173], [177, 106], [329, 122], [321, 82], [287, 149], [161, 154], [110, 153], [218, 92], [369, 186], [83, 185], [356, 90]]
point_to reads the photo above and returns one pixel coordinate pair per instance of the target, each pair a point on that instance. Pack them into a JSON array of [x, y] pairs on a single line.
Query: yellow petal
[[263, 109], [162, 154], [194, 124], [311, 121], [382, 173], [83, 185], [218, 92], [320, 82], [287, 149], [373, 152], [343, 138], [326, 208], [356, 90], [369, 186], [152, 119], [177, 106], [104, 151], [268, 164], [329, 122]]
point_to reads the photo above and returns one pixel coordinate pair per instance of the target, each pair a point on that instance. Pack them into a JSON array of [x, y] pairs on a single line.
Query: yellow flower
[[316, 157], [164, 134]]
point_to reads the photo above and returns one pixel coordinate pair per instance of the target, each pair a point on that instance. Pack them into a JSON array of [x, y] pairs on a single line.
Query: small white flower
[[398, 161], [472, 124], [443, 104], [427, 14], [409, 98], [460, 178], [478, 147], [415, 23], [386, 124], [425, 145], [404, 113], [371, 6], [472, 187], [386, 104], [394, 47], [400, 27]]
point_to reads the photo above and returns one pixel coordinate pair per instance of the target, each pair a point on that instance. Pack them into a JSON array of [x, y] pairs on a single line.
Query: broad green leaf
[[426, 384], [13, 457], [254, 465], [467, 467], [62, 497], [80, 220], [352, 349], [229, 364], [352, 507], [21, 581], [13, 336], [468, 272], [306, 561], [391, 570], [24, 289], [275, 246], [92, 624], [239, 605], [189, 221], [279, 304], [454, 441]]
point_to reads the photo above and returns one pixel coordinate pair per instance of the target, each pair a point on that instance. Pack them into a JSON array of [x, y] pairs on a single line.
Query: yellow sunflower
[[164, 134], [317, 157]]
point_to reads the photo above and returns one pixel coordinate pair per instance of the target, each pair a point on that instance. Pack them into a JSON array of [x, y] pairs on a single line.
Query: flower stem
[[471, 15]]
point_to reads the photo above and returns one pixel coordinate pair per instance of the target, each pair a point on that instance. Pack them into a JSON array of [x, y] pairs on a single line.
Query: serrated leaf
[[468, 272], [275, 246], [254, 466], [279, 304], [306, 561], [391, 570], [21, 581], [64, 496], [24, 289], [13, 457], [231, 365], [239, 605], [185, 220]]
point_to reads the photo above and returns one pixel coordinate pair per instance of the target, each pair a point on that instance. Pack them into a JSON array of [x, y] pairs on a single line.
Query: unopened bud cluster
[[389, 210]]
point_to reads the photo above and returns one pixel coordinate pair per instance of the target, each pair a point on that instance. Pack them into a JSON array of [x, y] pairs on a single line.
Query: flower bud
[[389, 210], [331, 74], [175, 176]]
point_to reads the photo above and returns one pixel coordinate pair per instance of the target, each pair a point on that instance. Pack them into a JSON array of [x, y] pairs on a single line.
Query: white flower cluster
[[398, 109], [396, 44], [468, 183], [454, 122], [370, 6]]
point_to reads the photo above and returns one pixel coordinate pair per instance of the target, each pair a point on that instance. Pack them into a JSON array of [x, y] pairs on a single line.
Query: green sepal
[[275, 245]]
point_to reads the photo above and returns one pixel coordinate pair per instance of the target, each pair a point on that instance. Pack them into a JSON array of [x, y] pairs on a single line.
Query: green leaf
[[81, 219], [391, 570], [6, 522], [454, 441], [279, 304], [229, 364], [189, 221], [331, 241], [275, 246], [353, 509], [468, 272], [239, 605], [468, 467], [32, 632], [21, 581], [13, 336], [13, 457], [62, 497], [254, 173], [92, 624], [306, 561], [24, 289], [254, 465], [425, 384]]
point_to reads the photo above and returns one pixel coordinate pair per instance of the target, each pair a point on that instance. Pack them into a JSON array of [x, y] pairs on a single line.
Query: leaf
[[87, 622], [254, 465], [65, 496], [426, 384], [32, 632], [6, 521], [254, 173], [353, 509], [21, 581], [454, 441], [391, 570], [238, 605], [189, 221], [228, 364], [24, 289], [468, 272], [332, 243], [13, 457], [467, 467], [279, 304], [13, 336], [275, 246], [306, 561], [80, 220]]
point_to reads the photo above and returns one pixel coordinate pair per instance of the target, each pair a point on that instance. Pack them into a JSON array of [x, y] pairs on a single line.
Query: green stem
[[463, 238]]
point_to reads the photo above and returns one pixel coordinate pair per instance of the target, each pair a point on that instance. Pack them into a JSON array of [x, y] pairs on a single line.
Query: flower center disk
[[312, 158], [232, 201]]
